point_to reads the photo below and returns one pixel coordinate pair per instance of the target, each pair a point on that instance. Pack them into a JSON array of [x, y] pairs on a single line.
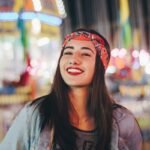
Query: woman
[[78, 114]]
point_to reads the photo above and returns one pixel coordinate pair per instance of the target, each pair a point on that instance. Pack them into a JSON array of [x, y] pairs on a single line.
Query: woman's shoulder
[[32, 107], [120, 113], [125, 120]]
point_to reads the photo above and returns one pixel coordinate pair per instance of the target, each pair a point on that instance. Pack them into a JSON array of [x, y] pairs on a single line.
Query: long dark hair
[[54, 109]]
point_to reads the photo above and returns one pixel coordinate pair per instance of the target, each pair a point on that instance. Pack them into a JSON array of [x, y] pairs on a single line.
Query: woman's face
[[77, 64]]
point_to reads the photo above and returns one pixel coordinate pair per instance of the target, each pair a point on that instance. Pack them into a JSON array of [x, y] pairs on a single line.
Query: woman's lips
[[74, 70]]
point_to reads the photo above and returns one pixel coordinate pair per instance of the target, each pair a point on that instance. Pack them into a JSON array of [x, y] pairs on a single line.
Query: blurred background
[[31, 33]]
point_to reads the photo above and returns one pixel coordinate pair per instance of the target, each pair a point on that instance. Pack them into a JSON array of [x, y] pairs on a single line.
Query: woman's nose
[[75, 59]]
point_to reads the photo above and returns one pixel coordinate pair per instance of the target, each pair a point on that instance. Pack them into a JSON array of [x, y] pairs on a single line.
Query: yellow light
[[36, 26], [37, 5]]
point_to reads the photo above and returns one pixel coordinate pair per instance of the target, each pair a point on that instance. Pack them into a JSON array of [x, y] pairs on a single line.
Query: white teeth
[[74, 70]]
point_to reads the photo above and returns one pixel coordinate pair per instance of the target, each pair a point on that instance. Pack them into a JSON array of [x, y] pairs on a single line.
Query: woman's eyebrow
[[70, 47], [87, 48]]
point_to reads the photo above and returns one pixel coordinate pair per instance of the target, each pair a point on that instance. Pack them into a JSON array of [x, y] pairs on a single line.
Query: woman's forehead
[[82, 43]]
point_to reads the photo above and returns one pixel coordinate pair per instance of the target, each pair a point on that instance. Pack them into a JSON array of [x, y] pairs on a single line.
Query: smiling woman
[[78, 113], [78, 62]]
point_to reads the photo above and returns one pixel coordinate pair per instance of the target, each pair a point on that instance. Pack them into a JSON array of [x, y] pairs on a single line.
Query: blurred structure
[[30, 39], [124, 23]]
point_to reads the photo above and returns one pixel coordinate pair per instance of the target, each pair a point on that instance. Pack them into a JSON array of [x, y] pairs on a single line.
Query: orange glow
[[120, 63], [29, 5]]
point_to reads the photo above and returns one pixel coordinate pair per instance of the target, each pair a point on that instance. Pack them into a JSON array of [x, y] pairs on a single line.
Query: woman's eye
[[67, 53], [86, 54]]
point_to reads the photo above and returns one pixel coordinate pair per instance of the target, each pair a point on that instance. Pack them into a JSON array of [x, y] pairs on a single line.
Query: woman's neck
[[78, 98], [79, 115]]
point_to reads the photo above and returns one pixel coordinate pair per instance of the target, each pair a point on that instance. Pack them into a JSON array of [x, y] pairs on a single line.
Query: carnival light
[[122, 52], [9, 16], [147, 69], [27, 15], [36, 26], [34, 63], [136, 65], [37, 5], [43, 41], [115, 52], [51, 20], [8, 47], [45, 18], [111, 69], [61, 8], [144, 58], [135, 53]]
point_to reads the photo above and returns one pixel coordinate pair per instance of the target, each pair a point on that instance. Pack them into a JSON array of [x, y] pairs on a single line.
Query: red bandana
[[98, 42]]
